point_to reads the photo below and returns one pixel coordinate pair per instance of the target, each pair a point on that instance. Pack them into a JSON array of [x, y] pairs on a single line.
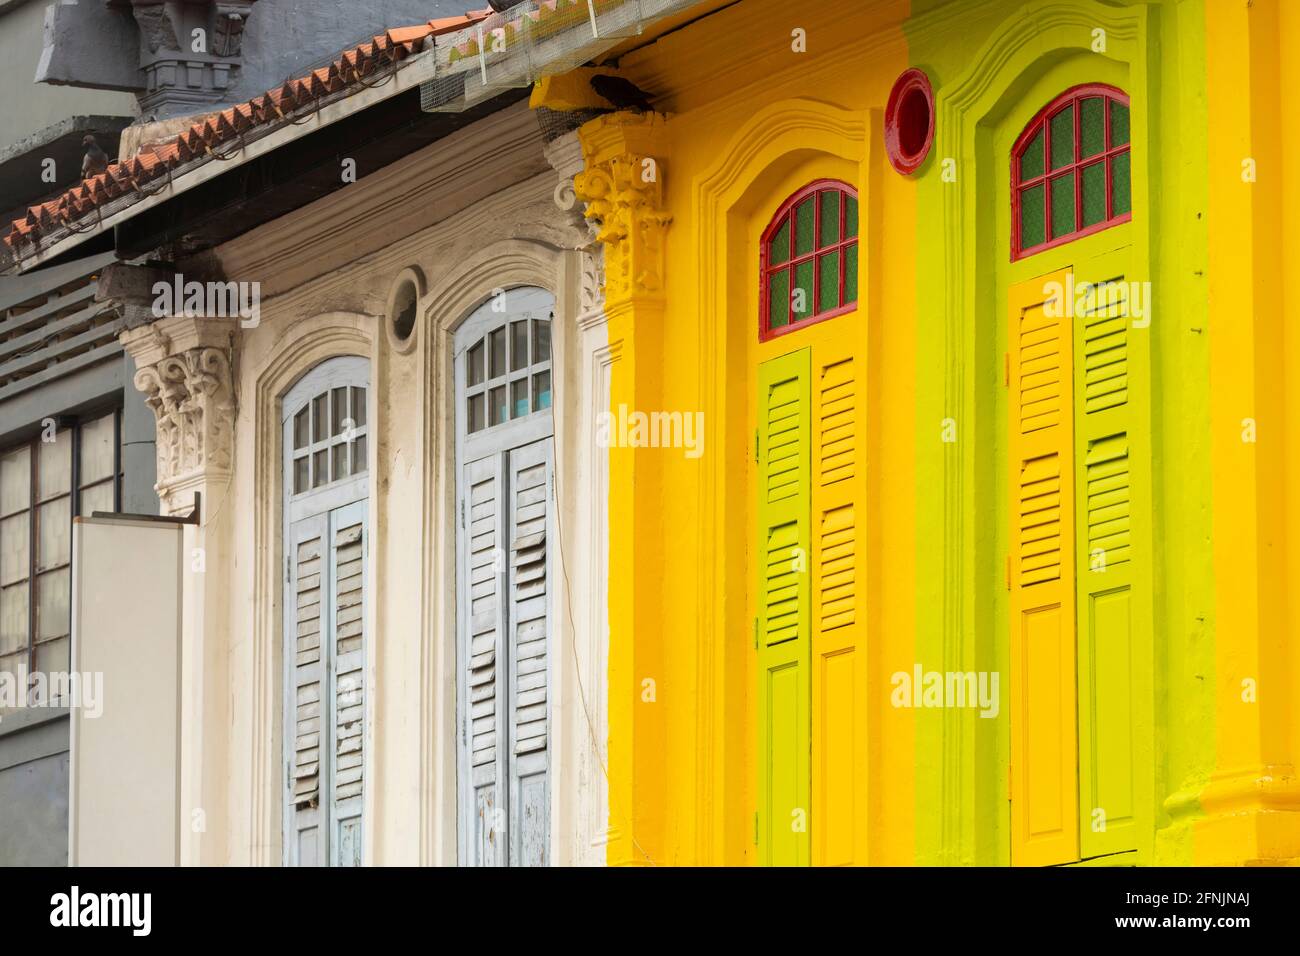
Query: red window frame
[[786, 214], [1042, 122]]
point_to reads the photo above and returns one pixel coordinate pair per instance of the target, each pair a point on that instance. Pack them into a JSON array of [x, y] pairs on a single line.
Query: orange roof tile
[[156, 162]]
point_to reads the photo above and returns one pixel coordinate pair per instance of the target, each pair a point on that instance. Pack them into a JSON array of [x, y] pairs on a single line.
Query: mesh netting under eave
[[555, 123]]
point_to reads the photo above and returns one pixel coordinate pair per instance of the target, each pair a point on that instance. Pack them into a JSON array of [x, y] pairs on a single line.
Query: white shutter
[[482, 585], [348, 657], [305, 830], [529, 628]]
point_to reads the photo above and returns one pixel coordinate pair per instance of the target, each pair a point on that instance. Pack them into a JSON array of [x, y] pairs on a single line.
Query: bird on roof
[[95, 160], [622, 94]]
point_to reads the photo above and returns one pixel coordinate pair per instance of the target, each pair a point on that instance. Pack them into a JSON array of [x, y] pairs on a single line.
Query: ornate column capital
[[184, 368], [622, 186]]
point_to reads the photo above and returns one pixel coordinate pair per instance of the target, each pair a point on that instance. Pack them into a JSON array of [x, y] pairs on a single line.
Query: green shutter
[[784, 609], [1113, 560]]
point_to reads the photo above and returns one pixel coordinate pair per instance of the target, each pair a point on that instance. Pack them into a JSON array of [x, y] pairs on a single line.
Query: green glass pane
[[1119, 186], [851, 273], [1032, 225], [803, 231], [1094, 194], [778, 299], [1031, 160], [1118, 123], [1063, 138], [1092, 127], [828, 292], [778, 247], [801, 296], [1063, 205], [830, 233], [850, 217]]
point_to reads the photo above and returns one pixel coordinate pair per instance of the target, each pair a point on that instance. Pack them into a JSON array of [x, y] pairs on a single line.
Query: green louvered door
[[784, 606], [1113, 559]]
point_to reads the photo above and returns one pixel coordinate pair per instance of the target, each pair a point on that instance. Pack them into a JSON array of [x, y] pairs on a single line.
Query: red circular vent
[[909, 121]]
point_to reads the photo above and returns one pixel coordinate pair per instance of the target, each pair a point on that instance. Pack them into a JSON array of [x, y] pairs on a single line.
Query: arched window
[[326, 540], [810, 258], [1070, 170]]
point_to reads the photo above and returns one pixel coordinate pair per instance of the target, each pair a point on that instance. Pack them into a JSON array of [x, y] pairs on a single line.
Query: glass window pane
[[497, 353], [1032, 224], [1031, 160], [13, 617], [1063, 138], [828, 293], [320, 465], [778, 247], [15, 664], [1063, 205], [301, 430], [1094, 194], [340, 455], [778, 292], [1119, 187], [519, 397], [359, 462], [518, 345], [830, 233], [801, 297], [850, 217], [475, 365], [1118, 123], [340, 413], [53, 533], [54, 464], [851, 273], [320, 418], [96, 498], [1092, 127], [97, 449], [52, 658], [301, 476], [53, 591], [803, 230], [498, 410], [541, 341], [14, 555], [358, 406], [541, 391], [475, 412], [15, 479]]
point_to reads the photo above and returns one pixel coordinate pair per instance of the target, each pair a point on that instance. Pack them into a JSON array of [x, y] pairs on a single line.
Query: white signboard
[[124, 799]]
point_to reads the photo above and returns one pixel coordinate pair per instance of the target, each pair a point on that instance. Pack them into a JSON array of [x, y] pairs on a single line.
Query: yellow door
[[811, 572]]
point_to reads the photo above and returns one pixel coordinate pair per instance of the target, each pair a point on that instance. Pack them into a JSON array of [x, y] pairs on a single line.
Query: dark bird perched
[[622, 94], [95, 161]]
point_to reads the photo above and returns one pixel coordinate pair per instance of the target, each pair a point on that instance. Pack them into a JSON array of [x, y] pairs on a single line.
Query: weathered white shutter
[[347, 666], [529, 627], [307, 677], [483, 733]]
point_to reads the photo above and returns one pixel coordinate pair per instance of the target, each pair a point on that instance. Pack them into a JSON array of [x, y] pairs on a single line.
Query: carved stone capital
[[184, 370], [622, 186]]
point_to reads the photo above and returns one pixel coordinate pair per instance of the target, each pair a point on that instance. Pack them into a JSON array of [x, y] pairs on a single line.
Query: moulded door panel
[[1044, 755]]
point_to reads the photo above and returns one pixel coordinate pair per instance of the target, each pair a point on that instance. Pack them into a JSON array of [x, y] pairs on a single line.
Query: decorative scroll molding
[[623, 189], [184, 371]]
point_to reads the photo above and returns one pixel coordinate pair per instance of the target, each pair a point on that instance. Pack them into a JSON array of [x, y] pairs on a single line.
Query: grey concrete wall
[[139, 449], [26, 106], [34, 788]]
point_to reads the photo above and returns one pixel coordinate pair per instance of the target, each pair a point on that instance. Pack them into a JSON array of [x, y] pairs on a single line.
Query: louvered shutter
[[305, 801], [1044, 775], [1110, 394], [482, 569], [784, 608], [529, 617], [839, 692], [347, 694]]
